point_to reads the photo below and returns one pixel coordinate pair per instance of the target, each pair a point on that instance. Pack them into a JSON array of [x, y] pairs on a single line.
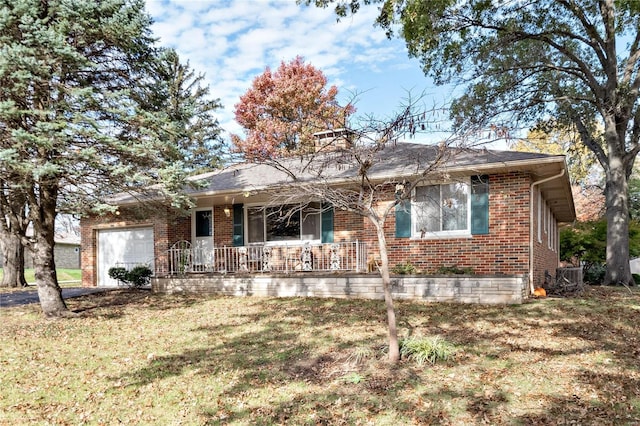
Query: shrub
[[585, 243], [594, 273], [137, 277], [454, 270], [404, 269], [426, 349], [118, 273]]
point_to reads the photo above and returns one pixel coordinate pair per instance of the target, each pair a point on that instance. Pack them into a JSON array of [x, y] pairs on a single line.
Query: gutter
[[531, 243]]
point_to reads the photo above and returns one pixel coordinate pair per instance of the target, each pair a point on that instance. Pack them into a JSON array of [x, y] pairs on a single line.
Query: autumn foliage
[[589, 203], [283, 109]]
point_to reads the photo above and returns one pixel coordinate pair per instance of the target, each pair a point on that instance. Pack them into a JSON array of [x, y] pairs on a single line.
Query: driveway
[[8, 300]]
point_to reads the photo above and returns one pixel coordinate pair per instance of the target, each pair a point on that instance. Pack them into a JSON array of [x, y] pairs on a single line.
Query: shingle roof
[[395, 161]]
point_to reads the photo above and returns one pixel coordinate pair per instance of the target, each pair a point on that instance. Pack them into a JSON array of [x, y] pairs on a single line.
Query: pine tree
[[75, 123]]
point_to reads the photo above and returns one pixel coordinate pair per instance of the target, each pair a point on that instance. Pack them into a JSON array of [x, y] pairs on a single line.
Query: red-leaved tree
[[283, 109]]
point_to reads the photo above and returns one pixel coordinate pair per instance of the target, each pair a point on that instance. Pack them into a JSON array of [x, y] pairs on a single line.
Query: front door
[[202, 226]]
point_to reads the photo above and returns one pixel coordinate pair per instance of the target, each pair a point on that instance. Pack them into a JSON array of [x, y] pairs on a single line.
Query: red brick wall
[[223, 226], [505, 250], [347, 226], [546, 255]]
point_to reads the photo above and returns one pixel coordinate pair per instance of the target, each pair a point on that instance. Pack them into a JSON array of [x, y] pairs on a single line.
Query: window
[[255, 224], [266, 224], [539, 216], [282, 225], [440, 209]]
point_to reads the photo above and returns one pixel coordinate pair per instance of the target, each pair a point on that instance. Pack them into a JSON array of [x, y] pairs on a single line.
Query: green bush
[[404, 269], [426, 349], [585, 243], [118, 273], [454, 270], [136, 277], [594, 273], [139, 276]]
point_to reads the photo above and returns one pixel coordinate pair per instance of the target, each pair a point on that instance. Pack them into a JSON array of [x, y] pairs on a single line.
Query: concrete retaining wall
[[464, 289]]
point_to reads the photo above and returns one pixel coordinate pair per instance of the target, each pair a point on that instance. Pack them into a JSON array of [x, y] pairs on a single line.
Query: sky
[[233, 41]]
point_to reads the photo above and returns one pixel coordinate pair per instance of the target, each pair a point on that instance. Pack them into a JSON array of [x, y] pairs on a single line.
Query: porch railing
[[184, 258]]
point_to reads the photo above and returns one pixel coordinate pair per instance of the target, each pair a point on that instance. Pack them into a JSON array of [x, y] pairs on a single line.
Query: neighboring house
[[66, 251], [493, 215]]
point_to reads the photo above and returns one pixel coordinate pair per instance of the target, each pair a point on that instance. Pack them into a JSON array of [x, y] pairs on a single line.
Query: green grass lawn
[[134, 357], [66, 277]]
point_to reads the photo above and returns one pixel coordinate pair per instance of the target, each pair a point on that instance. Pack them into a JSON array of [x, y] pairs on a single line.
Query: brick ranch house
[[494, 217]]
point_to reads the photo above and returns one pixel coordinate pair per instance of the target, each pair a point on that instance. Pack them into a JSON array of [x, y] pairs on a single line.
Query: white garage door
[[123, 247]]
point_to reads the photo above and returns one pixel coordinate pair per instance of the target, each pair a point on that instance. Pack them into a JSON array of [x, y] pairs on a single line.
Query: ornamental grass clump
[[361, 354], [426, 349]]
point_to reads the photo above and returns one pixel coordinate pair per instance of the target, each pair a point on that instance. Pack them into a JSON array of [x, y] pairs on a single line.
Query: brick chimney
[[332, 140]]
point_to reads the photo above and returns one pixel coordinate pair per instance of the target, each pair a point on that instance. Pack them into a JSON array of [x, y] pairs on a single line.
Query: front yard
[[137, 357], [66, 278]]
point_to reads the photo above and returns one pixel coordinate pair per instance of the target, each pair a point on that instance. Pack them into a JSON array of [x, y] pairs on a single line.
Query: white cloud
[[232, 41]]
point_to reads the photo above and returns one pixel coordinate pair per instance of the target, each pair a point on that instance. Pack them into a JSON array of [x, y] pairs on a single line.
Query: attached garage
[[126, 247]]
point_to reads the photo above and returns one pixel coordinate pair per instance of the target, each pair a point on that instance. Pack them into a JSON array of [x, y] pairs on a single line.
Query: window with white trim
[[440, 210], [286, 223]]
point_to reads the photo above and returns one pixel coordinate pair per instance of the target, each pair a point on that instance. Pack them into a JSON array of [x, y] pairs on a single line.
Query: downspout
[[533, 185]]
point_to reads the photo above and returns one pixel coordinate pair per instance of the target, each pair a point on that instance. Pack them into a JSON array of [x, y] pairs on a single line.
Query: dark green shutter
[[479, 205], [327, 224], [403, 219], [238, 229]]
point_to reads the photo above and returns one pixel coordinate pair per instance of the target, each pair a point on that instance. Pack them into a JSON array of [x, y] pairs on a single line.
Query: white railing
[[184, 258]]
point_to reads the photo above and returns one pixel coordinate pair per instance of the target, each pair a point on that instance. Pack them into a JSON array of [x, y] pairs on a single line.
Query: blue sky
[[232, 41]]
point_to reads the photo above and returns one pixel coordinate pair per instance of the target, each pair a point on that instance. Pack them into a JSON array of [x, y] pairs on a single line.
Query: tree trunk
[[13, 266], [394, 346], [49, 291], [617, 214]]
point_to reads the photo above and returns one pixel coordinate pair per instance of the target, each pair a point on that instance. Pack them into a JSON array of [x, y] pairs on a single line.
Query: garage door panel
[[127, 246]]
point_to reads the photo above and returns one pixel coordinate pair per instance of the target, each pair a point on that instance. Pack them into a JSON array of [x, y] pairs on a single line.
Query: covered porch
[[186, 258]]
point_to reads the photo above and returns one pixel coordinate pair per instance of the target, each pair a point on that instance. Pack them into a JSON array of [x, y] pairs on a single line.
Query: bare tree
[[67, 225], [346, 172]]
